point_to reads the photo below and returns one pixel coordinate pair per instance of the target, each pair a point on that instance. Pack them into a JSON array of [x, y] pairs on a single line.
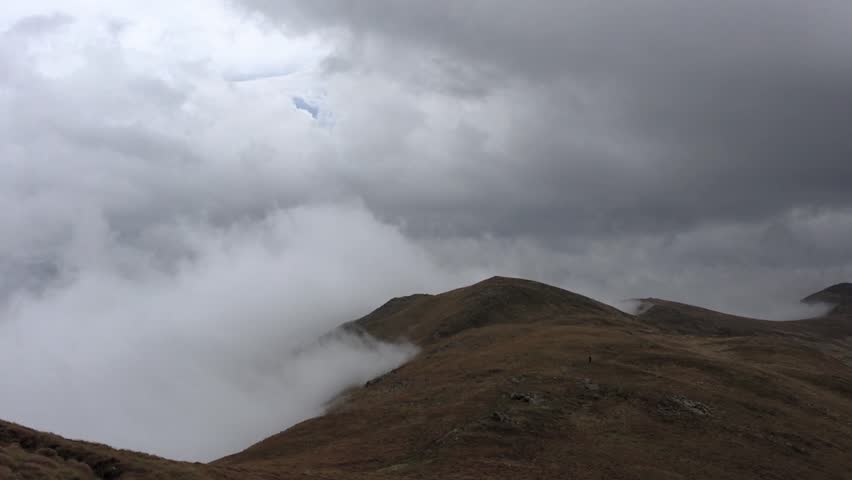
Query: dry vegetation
[[503, 388]]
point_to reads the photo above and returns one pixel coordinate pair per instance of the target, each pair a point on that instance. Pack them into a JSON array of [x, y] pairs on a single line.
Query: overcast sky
[[198, 189]]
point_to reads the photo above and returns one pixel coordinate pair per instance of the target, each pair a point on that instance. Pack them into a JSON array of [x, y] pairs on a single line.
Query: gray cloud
[[717, 129], [659, 114], [37, 24]]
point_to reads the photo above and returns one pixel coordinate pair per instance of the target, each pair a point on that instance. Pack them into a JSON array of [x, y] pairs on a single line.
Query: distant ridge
[[688, 319], [840, 293]]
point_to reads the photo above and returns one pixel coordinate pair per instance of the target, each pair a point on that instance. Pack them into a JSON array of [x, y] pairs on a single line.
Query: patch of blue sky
[[302, 104]]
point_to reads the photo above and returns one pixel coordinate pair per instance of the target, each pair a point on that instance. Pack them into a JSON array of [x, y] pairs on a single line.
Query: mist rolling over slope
[[195, 195], [199, 360]]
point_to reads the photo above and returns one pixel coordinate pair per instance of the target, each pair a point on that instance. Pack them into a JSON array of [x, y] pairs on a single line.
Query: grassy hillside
[[516, 379]]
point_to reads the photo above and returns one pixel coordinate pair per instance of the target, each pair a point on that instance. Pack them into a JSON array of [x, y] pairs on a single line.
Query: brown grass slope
[[503, 388], [831, 333], [26, 454]]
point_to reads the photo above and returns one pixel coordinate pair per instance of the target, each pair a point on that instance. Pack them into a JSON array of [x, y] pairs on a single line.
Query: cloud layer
[[194, 192], [642, 117], [215, 352], [697, 144]]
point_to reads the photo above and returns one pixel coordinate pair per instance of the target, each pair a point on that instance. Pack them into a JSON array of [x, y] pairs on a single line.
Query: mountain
[[517, 379], [840, 296]]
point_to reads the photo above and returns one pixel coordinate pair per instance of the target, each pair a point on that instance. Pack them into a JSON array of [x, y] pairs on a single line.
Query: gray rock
[[524, 397], [501, 417], [677, 405]]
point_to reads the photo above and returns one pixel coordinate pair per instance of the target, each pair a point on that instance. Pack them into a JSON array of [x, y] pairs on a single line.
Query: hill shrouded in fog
[[519, 379]]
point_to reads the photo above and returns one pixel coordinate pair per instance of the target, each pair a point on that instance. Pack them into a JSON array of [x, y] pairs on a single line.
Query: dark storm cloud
[[628, 116]]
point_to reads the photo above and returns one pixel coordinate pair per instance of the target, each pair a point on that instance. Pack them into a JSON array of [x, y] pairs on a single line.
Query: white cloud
[[202, 359], [160, 290]]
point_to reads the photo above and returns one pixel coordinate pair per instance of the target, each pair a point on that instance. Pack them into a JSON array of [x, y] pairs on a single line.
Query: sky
[[194, 192]]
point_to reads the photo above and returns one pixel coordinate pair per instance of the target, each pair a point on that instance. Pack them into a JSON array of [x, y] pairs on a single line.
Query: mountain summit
[[840, 294], [518, 379], [425, 319]]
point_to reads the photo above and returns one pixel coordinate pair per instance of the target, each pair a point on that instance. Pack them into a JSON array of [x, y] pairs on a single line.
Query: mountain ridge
[[494, 300]]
